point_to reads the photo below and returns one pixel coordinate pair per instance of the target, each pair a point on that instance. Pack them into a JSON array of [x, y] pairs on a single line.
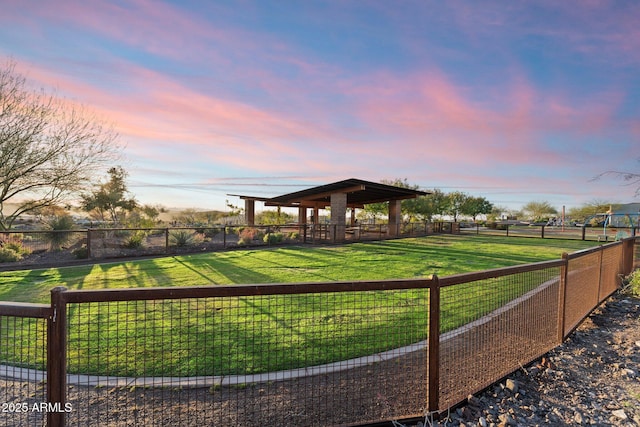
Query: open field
[[329, 326]]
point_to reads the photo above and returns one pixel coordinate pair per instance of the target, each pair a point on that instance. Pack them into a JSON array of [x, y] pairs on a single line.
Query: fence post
[[542, 233], [562, 295], [601, 252], [88, 243], [628, 255], [507, 230], [57, 358], [433, 354], [166, 240], [584, 232]]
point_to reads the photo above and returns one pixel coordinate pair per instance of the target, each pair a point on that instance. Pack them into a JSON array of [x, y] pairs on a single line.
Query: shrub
[[294, 235], [272, 238], [181, 238], [632, 283], [9, 255], [81, 252], [57, 236], [18, 248], [13, 237], [207, 232], [135, 240], [247, 235]]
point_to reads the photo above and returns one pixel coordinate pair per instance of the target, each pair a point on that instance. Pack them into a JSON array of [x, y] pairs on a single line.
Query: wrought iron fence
[[291, 354]]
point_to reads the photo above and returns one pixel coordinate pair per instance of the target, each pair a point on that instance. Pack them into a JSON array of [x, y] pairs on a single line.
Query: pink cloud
[[430, 112], [165, 113]]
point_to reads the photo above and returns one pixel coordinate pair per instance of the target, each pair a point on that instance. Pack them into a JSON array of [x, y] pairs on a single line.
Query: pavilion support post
[[339, 216], [250, 211], [302, 216], [395, 217], [302, 223]]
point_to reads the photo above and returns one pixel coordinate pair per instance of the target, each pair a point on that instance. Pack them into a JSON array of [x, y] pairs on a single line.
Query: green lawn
[[258, 334]]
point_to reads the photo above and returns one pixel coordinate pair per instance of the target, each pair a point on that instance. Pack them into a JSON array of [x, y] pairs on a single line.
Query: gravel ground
[[592, 379]]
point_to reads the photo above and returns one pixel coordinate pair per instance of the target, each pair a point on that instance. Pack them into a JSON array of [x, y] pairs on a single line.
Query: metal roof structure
[[359, 193]]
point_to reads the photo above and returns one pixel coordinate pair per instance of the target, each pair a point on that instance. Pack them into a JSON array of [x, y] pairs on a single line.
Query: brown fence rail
[[342, 353]]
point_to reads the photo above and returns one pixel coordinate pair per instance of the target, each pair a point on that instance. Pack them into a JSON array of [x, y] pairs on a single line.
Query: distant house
[[623, 216], [627, 209]]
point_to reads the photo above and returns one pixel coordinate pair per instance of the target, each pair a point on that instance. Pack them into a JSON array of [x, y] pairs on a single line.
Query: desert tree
[[110, 200], [49, 147], [539, 210], [589, 209]]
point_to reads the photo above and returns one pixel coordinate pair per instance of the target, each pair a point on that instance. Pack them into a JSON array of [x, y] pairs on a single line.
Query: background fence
[[51, 247], [600, 234], [291, 354]]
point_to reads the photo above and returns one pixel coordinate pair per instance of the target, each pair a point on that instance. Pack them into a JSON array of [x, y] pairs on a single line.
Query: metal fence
[[64, 246], [312, 354], [600, 234], [23, 364]]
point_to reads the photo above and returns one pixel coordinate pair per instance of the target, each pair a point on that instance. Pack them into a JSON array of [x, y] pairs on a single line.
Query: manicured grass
[[258, 334], [392, 259]]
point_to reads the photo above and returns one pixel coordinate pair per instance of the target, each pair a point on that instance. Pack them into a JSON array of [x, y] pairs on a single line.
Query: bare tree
[[49, 149], [631, 178]]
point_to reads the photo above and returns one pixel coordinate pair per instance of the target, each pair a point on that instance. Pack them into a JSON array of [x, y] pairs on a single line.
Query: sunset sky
[[515, 101]]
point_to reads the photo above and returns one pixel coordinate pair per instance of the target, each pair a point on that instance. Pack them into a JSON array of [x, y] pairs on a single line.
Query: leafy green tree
[[440, 202], [233, 209], [111, 198], [49, 150], [474, 206], [276, 217], [420, 208], [381, 209], [457, 201], [539, 211], [498, 211]]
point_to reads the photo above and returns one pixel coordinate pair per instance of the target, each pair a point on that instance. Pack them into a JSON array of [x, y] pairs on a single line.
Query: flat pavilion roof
[[359, 193]]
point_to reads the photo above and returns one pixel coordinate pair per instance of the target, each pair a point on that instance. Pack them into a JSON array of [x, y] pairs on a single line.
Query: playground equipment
[[614, 221]]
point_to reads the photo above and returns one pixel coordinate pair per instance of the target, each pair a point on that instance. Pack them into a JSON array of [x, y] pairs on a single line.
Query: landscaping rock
[[591, 379]]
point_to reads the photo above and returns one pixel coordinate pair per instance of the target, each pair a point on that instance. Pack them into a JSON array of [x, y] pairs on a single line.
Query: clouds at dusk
[[513, 102]]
